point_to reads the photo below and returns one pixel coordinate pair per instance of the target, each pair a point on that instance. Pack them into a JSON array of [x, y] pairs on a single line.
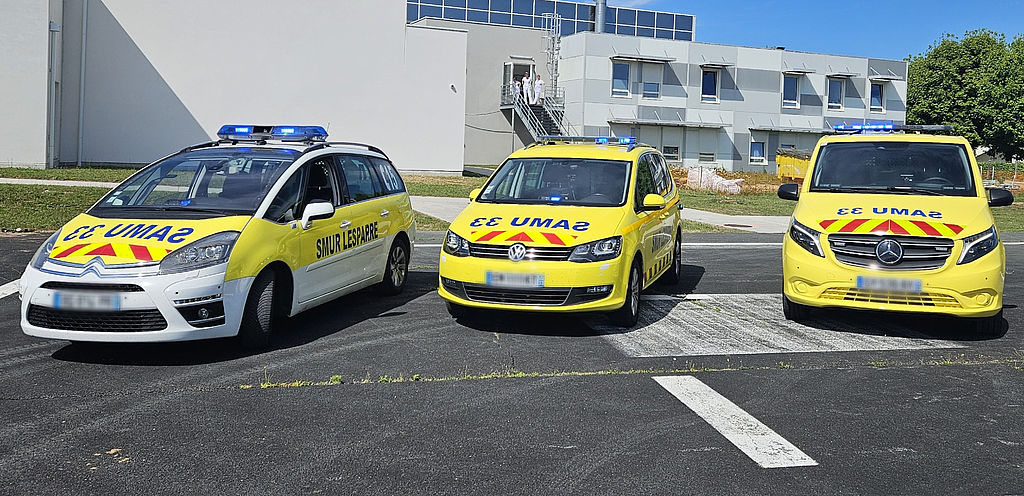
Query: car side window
[[285, 206], [645, 183], [662, 176], [320, 182], [391, 181], [362, 181]]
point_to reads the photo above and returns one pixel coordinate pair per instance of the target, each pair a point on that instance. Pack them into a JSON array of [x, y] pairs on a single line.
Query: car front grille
[[911, 299], [516, 296], [88, 286], [919, 253], [542, 253], [123, 321]]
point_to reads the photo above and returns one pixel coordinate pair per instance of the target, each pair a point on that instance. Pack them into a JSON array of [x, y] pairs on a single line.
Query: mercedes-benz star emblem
[[517, 252], [889, 251]]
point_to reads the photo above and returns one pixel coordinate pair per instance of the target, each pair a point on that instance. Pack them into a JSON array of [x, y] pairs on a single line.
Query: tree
[[975, 84]]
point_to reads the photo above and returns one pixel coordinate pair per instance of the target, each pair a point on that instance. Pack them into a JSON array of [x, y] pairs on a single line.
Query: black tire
[[794, 311], [259, 314], [457, 311], [674, 273], [396, 271], [989, 327], [628, 315]]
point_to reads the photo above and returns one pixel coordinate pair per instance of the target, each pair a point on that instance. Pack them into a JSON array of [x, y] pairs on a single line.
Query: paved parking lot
[[713, 393]]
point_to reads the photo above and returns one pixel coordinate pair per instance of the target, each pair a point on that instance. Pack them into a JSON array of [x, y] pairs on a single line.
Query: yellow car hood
[[908, 215], [133, 241], [536, 225]]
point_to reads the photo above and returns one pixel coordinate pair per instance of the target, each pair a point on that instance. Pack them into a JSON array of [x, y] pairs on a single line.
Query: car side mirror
[[999, 197], [653, 202], [789, 191], [316, 210], [473, 194]]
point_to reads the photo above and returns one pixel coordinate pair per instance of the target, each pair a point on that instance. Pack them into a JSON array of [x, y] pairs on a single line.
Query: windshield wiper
[[912, 189], [175, 208], [902, 190]]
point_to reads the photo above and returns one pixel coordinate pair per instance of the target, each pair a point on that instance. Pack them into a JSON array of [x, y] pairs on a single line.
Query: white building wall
[[24, 55], [163, 75]]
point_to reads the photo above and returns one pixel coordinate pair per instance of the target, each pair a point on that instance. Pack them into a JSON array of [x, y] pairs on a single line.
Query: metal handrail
[[533, 124]]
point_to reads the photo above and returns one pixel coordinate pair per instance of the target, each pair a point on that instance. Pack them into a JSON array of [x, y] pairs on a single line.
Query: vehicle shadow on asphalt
[[309, 326], [898, 325]]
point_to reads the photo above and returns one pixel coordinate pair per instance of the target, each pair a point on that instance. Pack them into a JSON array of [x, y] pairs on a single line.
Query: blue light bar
[[863, 127], [629, 140], [601, 141], [281, 133]]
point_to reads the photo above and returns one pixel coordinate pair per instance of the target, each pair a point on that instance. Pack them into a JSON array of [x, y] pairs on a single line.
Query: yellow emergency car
[[223, 238], [898, 222], [566, 225]]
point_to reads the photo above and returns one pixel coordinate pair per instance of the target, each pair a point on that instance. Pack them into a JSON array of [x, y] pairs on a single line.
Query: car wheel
[[259, 315], [674, 273], [628, 315], [794, 311], [989, 327], [396, 272]]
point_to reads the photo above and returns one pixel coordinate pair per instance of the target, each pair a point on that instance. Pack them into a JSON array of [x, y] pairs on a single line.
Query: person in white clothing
[[527, 88], [538, 91], [517, 90]]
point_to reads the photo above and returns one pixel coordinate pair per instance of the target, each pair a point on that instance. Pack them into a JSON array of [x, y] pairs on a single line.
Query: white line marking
[[9, 289], [427, 245], [732, 245], [1013, 243], [752, 437]]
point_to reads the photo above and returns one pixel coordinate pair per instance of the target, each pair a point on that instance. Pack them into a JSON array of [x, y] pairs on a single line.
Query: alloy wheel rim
[[398, 267], [634, 294]]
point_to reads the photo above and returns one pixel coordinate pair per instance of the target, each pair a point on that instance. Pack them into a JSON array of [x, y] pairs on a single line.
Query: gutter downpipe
[[81, 82], [599, 15]]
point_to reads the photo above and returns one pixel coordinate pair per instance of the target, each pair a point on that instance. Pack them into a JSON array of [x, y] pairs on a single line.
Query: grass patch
[[83, 174], [448, 186], [425, 222], [43, 207], [691, 226], [1010, 218]]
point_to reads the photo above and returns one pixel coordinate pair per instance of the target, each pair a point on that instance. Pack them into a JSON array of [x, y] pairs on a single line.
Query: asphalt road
[[511, 403]]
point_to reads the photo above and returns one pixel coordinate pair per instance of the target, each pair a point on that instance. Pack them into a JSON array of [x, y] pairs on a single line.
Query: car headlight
[[207, 252], [806, 237], [596, 251], [456, 245], [44, 250], [979, 245]]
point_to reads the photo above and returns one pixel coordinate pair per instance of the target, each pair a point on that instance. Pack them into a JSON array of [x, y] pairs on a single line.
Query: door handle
[[345, 224], [384, 213]]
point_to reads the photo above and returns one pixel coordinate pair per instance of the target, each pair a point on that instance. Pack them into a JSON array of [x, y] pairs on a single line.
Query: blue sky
[[890, 30]]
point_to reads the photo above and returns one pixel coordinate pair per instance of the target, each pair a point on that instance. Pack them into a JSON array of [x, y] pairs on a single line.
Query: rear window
[[894, 167]]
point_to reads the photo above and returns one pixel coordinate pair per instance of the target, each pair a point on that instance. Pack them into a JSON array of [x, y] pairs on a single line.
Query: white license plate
[[87, 302], [511, 280], [888, 284]]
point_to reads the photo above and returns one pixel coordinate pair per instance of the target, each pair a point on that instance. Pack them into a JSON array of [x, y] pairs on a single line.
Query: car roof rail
[[327, 144]]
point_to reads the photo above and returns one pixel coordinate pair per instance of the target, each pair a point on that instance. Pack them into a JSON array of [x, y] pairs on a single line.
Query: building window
[[835, 93], [652, 90], [877, 94], [620, 79], [709, 87], [706, 157], [790, 92], [757, 152], [671, 152]]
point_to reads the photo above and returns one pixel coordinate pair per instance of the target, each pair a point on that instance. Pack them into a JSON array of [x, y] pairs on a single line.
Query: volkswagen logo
[[517, 252], [889, 251]]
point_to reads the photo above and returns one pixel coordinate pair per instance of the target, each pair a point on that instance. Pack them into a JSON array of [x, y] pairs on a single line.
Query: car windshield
[[894, 167], [559, 181], [211, 181]]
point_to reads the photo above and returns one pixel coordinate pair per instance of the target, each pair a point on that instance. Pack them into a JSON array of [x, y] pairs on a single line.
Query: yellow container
[[792, 163]]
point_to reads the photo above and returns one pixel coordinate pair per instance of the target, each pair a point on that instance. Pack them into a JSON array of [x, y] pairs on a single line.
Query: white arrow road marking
[[753, 438], [9, 289]]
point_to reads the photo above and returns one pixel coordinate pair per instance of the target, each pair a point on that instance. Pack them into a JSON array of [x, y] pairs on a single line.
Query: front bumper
[[463, 280], [160, 307], [971, 290]]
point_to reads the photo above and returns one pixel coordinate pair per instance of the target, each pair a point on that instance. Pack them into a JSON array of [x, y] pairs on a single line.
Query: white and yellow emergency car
[[566, 225], [223, 238], [898, 222]]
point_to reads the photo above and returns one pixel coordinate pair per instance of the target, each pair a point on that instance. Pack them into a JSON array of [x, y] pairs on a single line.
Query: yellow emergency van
[[566, 225], [223, 239], [895, 221]]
